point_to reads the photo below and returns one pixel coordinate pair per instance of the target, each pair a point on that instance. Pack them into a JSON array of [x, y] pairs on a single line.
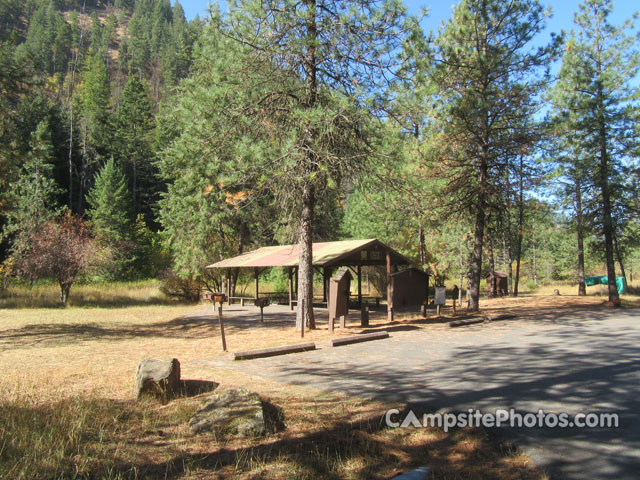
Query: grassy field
[[67, 408]]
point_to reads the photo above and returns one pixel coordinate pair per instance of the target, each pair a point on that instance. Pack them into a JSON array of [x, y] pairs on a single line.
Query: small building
[[409, 287], [327, 257], [500, 284]]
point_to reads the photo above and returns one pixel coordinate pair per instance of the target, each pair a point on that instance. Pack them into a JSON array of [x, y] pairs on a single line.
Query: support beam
[[325, 276], [256, 273], [427, 294], [359, 285], [290, 271]]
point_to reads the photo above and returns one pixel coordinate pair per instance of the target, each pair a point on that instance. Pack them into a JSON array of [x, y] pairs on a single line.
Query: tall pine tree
[[487, 79], [598, 66]]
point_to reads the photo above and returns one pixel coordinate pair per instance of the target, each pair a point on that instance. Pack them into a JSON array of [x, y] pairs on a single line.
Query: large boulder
[[158, 378], [236, 412]]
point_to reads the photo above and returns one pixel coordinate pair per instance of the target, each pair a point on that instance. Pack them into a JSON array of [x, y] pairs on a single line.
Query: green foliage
[[110, 207], [32, 197], [110, 211], [134, 129], [599, 64]]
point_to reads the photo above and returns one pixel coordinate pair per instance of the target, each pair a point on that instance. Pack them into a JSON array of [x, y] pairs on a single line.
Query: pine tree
[[111, 214], [41, 36], [600, 61], [487, 81], [134, 126], [306, 76], [95, 120], [32, 196]]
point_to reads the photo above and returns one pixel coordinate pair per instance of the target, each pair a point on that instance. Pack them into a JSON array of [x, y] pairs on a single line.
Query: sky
[[441, 10]]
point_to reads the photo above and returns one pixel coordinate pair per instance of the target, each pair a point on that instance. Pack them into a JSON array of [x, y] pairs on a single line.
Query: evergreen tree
[[95, 120], [32, 196], [598, 66], [134, 126], [16, 81], [487, 81], [306, 77], [41, 36], [111, 214]]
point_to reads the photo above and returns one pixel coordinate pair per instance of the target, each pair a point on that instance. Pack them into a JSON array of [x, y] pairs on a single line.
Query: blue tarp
[[604, 280]]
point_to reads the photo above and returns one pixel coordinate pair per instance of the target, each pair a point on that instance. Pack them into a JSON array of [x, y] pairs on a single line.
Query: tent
[[621, 282]]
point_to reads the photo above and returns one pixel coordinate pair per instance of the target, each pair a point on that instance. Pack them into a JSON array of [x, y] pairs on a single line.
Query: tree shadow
[[587, 363], [192, 388]]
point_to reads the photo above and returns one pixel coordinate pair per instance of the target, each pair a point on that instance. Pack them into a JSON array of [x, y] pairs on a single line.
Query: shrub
[[183, 288], [62, 249]]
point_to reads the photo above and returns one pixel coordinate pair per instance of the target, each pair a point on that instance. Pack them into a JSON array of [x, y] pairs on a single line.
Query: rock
[[158, 378], [235, 412], [556, 292]]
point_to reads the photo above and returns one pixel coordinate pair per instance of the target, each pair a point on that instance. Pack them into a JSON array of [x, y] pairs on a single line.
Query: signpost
[[440, 298]]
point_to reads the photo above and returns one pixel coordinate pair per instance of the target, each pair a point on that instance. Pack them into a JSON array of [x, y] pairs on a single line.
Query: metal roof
[[324, 254]]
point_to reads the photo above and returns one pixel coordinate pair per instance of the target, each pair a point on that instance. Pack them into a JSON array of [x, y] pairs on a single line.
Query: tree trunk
[[64, 293], [582, 291], [534, 267], [603, 180], [506, 238], [135, 183], [619, 257], [476, 263], [304, 311], [305, 269], [71, 154], [423, 249], [461, 276], [520, 227], [507, 249], [491, 287]]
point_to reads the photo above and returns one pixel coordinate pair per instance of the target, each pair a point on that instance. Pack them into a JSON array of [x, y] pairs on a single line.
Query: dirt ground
[[60, 352], [90, 354]]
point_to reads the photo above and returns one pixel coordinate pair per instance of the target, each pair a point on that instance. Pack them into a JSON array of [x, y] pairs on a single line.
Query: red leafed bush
[[62, 249]]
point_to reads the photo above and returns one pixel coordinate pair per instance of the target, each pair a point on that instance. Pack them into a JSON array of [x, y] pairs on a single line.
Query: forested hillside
[[156, 144]]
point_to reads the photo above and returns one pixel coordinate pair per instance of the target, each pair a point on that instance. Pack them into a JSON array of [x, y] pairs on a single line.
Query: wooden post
[[454, 306], [364, 315], [303, 321], [324, 284], [389, 289], [290, 288], [256, 273], [427, 290], [359, 271], [224, 340], [343, 321], [438, 310]]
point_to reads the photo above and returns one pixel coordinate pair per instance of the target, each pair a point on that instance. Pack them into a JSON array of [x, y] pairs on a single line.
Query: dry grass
[[67, 410], [319, 436], [105, 295]]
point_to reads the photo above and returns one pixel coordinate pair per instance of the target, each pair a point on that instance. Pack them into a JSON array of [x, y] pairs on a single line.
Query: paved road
[[589, 362]]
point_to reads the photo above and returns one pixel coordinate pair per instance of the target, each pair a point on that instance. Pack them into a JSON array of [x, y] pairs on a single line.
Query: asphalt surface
[[581, 363]]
